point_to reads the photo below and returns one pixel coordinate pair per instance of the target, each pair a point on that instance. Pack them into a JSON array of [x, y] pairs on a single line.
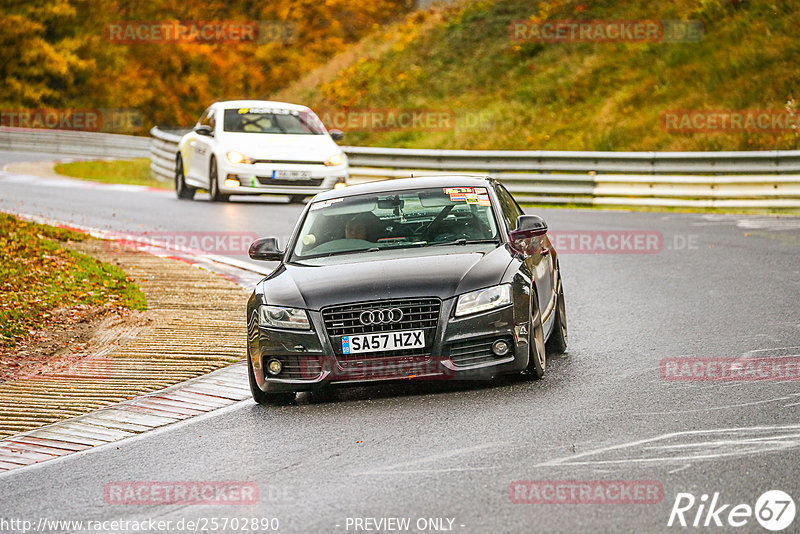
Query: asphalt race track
[[717, 286]]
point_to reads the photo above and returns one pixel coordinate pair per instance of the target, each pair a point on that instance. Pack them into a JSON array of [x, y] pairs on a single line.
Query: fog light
[[274, 367], [231, 182], [501, 347]]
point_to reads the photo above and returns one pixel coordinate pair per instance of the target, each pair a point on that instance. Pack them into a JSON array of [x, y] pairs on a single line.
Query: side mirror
[[336, 135], [531, 224], [203, 129], [266, 249], [528, 227]]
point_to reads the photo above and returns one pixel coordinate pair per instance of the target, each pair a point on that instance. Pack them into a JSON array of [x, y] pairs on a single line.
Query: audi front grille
[[382, 316]]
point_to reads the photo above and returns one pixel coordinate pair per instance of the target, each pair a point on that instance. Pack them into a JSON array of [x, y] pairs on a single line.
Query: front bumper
[[460, 349], [264, 178]]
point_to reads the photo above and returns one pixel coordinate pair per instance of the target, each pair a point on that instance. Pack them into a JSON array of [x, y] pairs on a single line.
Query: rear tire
[[557, 344], [182, 190], [537, 354], [269, 399], [296, 199], [213, 183]]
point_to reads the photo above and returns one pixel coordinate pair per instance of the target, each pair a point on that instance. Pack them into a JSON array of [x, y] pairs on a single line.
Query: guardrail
[[766, 179], [163, 148], [74, 143], [680, 179]]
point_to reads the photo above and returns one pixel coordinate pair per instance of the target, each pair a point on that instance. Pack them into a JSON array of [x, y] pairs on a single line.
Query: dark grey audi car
[[422, 278]]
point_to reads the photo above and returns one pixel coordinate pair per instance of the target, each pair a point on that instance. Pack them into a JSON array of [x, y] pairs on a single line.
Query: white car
[[243, 147]]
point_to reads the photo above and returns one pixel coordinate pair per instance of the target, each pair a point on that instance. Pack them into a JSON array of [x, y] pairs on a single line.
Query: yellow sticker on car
[[470, 195]]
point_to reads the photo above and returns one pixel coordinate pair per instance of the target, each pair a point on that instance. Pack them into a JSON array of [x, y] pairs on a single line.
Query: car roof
[[421, 182], [234, 104]]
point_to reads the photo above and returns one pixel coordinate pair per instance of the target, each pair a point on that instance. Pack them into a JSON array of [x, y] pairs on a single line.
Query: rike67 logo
[[774, 510]]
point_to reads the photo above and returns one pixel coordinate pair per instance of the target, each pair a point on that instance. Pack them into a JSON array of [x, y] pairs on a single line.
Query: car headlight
[[336, 159], [483, 300], [238, 157], [277, 317]]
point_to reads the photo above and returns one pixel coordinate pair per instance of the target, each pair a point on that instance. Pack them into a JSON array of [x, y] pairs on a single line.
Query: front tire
[[296, 199], [213, 184], [537, 354], [557, 344], [269, 399], [182, 190]]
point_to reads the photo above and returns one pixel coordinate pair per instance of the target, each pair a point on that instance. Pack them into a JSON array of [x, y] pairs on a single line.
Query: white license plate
[[291, 175], [406, 339]]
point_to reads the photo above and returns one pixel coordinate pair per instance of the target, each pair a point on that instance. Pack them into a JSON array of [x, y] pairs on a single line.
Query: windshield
[[421, 218], [272, 121]]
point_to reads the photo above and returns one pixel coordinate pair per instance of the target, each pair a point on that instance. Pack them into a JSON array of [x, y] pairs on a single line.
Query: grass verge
[[460, 59], [38, 275], [132, 172]]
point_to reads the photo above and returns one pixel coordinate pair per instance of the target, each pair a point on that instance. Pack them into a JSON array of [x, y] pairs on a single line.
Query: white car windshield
[[403, 219], [272, 121]]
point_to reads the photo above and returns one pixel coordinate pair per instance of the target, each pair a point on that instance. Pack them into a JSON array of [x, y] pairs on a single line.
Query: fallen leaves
[[39, 275]]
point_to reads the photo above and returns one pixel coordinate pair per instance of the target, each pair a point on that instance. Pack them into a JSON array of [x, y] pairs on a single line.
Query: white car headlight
[[238, 157], [483, 300], [277, 317], [336, 159]]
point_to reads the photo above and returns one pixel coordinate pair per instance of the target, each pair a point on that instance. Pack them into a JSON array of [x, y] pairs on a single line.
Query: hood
[[435, 272], [282, 146]]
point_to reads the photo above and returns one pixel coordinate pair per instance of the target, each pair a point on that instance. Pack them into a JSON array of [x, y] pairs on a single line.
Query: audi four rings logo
[[386, 316]]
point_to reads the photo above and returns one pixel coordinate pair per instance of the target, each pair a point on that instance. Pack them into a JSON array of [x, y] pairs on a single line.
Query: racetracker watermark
[[183, 493], [143, 524], [607, 31], [730, 369], [748, 120], [236, 243], [90, 119], [585, 492], [386, 368], [89, 368], [388, 119], [607, 241], [199, 31], [619, 241]]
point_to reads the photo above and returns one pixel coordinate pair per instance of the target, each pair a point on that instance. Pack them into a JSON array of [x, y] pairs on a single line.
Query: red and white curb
[[215, 390]]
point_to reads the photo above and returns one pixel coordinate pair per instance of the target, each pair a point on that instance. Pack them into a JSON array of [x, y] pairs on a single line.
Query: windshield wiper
[[398, 246], [415, 244], [463, 241], [335, 253]]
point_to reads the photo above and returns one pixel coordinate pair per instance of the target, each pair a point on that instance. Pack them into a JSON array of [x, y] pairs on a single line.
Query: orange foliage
[[60, 54]]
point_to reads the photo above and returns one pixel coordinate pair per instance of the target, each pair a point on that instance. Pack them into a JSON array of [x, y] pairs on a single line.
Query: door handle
[[545, 251]]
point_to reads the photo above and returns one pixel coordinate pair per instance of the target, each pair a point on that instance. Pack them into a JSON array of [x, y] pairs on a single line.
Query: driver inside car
[[365, 226]]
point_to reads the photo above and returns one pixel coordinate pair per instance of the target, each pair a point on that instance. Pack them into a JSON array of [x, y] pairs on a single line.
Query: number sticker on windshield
[[470, 195]]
